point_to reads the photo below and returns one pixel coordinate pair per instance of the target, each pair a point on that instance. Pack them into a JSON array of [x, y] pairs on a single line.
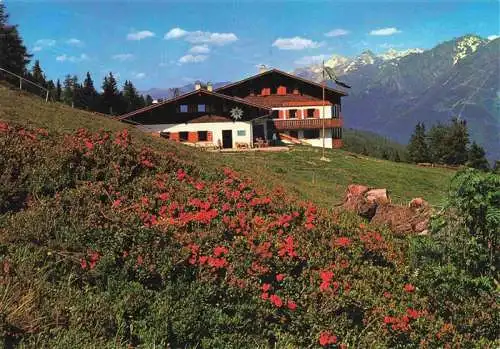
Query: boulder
[[378, 196], [363, 200], [418, 203]]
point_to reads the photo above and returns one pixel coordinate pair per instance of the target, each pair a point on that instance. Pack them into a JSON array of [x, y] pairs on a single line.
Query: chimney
[[262, 68], [209, 87], [197, 85]]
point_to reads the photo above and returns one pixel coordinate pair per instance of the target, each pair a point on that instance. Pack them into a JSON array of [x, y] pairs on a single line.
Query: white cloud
[[200, 49], [74, 41], [43, 43], [308, 60], [72, 59], [143, 34], [201, 37], [175, 33], [337, 32], [139, 75], [385, 31], [192, 59], [123, 57], [295, 43], [493, 37]]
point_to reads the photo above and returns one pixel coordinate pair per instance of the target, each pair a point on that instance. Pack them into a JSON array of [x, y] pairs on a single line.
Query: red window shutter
[[282, 90], [174, 136], [193, 137], [299, 114], [266, 91], [209, 136], [316, 113], [281, 114]]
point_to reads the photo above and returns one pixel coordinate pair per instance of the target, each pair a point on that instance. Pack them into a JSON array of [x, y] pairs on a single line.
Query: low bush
[[104, 244]]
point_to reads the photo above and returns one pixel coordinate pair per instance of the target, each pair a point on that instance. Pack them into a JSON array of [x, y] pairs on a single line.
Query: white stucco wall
[[317, 142], [215, 127]]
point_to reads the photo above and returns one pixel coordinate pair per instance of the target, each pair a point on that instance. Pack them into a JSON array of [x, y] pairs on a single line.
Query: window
[[202, 136], [241, 133], [337, 133], [201, 108], [165, 134], [183, 108], [292, 113], [311, 134], [335, 111], [310, 113], [183, 136]]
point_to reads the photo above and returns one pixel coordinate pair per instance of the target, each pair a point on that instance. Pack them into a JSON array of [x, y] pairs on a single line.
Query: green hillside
[[299, 171], [110, 238]]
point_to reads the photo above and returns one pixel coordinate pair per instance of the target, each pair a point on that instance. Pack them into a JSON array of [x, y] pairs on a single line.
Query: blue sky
[[172, 43]]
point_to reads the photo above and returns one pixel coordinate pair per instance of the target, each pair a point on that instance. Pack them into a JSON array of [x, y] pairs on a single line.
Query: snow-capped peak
[[465, 46], [395, 54]]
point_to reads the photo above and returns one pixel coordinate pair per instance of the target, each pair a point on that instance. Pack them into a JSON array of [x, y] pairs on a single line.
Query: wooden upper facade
[[292, 103]]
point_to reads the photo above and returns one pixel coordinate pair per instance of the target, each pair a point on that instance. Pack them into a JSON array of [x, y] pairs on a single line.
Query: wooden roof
[[280, 72], [181, 97]]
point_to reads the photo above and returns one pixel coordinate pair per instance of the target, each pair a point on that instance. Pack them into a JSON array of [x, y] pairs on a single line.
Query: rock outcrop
[[375, 205]]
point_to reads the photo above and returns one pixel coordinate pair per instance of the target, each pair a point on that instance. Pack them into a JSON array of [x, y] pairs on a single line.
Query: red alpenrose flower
[[326, 338], [291, 305], [409, 288]]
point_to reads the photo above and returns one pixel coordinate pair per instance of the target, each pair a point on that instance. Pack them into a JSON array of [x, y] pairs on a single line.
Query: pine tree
[[58, 91], [13, 54], [110, 96], [89, 94], [384, 155], [396, 157], [418, 151], [149, 100], [37, 74], [477, 158], [131, 97], [437, 146], [67, 92], [456, 142]]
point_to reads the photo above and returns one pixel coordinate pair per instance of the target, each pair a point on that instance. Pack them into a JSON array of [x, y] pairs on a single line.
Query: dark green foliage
[[13, 54], [110, 99], [437, 143], [149, 100], [456, 141], [371, 144], [37, 74], [90, 97], [477, 158], [131, 97], [58, 91], [418, 150], [68, 94]]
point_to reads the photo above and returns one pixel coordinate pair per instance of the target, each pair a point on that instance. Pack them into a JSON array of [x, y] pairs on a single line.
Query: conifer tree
[[13, 54], [58, 91], [437, 146], [67, 92], [418, 150], [456, 142], [477, 158], [89, 94], [149, 100], [37, 74], [131, 97], [110, 95]]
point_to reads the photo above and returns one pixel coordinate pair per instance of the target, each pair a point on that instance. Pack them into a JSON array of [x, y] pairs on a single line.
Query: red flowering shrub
[[138, 247]]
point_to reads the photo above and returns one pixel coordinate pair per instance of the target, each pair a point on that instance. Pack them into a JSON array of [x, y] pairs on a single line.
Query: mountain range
[[394, 90]]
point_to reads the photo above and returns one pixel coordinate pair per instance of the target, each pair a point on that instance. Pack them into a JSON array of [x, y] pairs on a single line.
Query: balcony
[[305, 124]]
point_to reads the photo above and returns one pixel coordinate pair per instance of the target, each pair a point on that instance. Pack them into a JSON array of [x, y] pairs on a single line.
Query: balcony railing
[[304, 124]]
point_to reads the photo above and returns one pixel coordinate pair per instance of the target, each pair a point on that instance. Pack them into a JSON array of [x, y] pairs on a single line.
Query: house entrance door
[[227, 139]]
